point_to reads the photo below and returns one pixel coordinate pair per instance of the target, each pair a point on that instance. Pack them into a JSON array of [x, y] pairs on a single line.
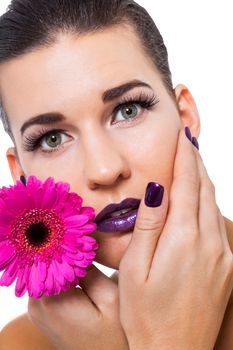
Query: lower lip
[[118, 223]]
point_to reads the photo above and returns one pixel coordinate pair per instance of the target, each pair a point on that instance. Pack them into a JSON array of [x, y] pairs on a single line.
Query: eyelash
[[33, 142]]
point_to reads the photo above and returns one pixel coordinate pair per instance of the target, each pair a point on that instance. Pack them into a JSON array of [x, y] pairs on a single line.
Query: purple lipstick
[[118, 217]]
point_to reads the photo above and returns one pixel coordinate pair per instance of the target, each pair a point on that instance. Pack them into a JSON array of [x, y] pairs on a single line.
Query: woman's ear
[[14, 164], [187, 109]]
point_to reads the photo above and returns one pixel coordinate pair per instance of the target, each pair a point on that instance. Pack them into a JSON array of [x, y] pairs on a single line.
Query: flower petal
[[4, 233], [20, 288], [89, 211], [49, 282], [67, 271], [57, 273], [76, 220], [9, 274], [80, 272], [7, 253], [36, 280]]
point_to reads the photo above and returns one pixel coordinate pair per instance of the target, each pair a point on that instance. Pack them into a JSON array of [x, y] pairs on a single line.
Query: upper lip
[[126, 203]]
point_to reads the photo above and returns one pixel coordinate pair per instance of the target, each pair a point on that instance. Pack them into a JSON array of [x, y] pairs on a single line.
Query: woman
[[71, 70]]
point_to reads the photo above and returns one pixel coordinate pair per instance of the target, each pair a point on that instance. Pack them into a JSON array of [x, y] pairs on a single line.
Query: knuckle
[[111, 298], [186, 237], [147, 223], [216, 251], [210, 186]]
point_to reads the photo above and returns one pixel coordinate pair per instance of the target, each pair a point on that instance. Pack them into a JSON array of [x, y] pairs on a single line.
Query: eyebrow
[[107, 96]]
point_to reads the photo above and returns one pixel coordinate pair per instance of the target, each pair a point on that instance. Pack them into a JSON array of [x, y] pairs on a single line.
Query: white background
[[198, 35]]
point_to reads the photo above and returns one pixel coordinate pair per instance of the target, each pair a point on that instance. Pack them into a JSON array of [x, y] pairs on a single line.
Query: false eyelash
[[32, 142], [144, 99]]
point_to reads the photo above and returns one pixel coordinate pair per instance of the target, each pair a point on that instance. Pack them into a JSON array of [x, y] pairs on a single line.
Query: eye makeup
[[145, 100]]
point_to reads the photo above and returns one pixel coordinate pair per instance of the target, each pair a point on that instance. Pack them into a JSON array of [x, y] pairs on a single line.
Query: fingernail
[[195, 142], [23, 179], [154, 194], [188, 133]]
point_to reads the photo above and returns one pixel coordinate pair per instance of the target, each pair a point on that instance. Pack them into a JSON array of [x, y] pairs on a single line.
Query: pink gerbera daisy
[[45, 241]]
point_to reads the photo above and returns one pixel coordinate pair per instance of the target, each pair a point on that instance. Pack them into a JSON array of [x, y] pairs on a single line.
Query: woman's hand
[[176, 275], [79, 319]]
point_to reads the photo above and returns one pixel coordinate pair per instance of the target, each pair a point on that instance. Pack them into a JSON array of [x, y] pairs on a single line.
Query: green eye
[[55, 139]]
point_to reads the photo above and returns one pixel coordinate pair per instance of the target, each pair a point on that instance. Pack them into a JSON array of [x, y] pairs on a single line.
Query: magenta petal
[[82, 263], [6, 218], [70, 248], [57, 287], [49, 282], [67, 286], [67, 271], [20, 287], [73, 240], [57, 273], [88, 228], [75, 232], [75, 256], [80, 272], [6, 255], [48, 200], [76, 220], [37, 276], [4, 233], [9, 274], [89, 211], [89, 239]]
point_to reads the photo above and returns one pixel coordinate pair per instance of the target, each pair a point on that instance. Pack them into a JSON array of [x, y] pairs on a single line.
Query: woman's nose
[[104, 162]]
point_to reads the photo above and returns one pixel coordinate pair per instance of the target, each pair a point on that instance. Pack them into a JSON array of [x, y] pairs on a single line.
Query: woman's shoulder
[[22, 334]]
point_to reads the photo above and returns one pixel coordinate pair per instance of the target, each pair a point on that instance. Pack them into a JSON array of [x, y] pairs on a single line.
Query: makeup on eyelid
[[144, 100]]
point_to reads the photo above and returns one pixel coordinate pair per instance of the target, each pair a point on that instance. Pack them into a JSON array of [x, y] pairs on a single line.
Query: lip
[[126, 203], [122, 222]]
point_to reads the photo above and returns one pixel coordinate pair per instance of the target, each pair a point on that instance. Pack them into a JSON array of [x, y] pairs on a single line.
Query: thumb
[[149, 223]]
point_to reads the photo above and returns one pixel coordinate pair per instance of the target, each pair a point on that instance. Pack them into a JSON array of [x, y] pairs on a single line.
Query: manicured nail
[[23, 179], [195, 142], [154, 194], [188, 133]]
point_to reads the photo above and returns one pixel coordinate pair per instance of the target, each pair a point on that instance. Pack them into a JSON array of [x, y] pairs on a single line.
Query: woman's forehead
[[75, 67]]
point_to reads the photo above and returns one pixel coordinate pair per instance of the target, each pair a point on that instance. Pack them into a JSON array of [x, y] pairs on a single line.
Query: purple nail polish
[[23, 179], [154, 194], [188, 133], [195, 142]]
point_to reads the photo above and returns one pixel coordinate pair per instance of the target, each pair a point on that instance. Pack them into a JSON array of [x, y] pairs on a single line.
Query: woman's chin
[[112, 247]]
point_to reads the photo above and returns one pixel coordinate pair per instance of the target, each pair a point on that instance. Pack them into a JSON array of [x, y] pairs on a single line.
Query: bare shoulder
[[22, 334]]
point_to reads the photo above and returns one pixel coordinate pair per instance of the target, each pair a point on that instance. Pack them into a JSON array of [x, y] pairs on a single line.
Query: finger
[[210, 221], [99, 288], [184, 194], [148, 227], [46, 310]]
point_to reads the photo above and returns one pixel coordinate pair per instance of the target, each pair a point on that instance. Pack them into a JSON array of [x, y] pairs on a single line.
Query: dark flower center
[[37, 233]]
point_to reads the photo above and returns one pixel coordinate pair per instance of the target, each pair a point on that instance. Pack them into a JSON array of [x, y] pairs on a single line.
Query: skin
[[119, 168], [106, 165]]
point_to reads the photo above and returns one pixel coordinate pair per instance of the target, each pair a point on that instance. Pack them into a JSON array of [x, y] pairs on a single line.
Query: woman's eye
[[52, 140], [129, 111]]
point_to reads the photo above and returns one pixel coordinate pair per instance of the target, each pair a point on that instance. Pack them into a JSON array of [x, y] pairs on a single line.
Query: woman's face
[[104, 155]]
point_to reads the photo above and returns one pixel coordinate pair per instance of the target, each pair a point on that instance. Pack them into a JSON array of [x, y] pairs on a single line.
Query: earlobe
[[14, 165], [188, 111]]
